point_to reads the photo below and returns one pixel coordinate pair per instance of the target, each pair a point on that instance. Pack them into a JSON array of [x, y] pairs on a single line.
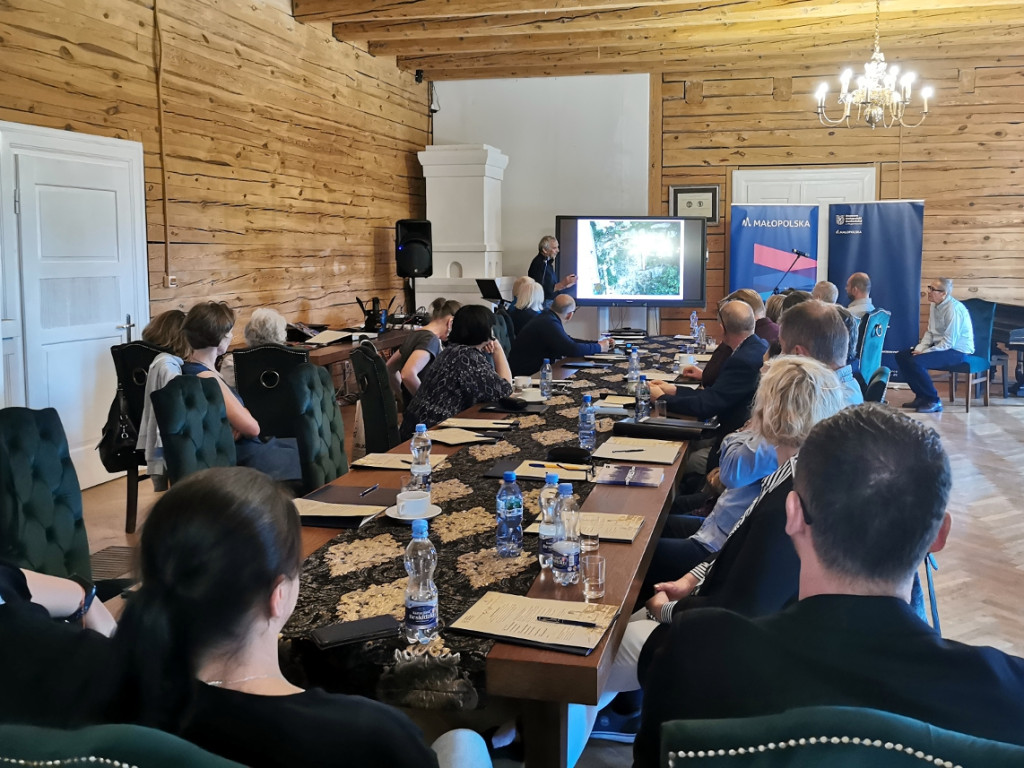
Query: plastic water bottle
[[420, 592], [633, 371], [548, 501], [588, 425], [702, 339], [643, 399], [510, 517], [545, 379], [420, 447], [565, 552]]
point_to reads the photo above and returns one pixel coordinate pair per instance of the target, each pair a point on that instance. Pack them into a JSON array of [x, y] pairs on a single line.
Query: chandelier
[[879, 98]]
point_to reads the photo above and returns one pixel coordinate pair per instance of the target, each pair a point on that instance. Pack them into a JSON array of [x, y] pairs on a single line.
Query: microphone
[[798, 252]]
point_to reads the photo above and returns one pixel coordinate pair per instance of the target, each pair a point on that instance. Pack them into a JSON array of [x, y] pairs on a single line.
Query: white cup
[[522, 382], [413, 503]]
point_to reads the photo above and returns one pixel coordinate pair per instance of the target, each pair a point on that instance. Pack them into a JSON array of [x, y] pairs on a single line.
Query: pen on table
[[630, 450], [570, 622], [371, 489]]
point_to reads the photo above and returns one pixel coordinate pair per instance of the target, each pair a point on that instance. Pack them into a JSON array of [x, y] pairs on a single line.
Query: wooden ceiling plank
[[336, 10]]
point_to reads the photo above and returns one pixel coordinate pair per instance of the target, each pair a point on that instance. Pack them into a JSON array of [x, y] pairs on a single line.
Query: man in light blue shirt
[[948, 341]]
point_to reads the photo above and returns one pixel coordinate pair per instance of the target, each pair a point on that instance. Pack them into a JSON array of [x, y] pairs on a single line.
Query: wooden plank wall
[[966, 161], [289, 155]]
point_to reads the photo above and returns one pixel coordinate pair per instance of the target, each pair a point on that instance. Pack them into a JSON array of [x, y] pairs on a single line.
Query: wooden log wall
[[966, 161], [289, 154]]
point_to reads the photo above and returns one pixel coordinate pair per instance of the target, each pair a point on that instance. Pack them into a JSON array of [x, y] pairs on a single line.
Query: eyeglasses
[[933, 289]]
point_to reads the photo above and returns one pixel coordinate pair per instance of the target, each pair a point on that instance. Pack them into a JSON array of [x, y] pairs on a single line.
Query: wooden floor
[[981, 569]]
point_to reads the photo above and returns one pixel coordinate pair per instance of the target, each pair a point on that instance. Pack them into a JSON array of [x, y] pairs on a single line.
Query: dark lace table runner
[[361, 573]]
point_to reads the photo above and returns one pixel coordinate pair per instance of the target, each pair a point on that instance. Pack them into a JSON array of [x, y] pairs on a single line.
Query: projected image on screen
[[629, 258]]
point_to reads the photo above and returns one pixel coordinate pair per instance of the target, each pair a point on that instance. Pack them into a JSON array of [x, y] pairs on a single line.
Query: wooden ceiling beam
[[327, 10], [708, 35], [704, 61], [664, 15]]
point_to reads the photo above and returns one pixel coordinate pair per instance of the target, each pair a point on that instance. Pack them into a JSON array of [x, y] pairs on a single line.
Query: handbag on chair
[[119, 437]]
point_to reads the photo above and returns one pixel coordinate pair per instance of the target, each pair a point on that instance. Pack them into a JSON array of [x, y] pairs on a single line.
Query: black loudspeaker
[[413, 255]]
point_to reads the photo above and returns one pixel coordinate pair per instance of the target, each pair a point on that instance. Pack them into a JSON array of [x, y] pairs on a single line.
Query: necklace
[[222, 683]]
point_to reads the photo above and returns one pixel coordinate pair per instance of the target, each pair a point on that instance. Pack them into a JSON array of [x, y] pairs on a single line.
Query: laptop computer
[[489, 290]]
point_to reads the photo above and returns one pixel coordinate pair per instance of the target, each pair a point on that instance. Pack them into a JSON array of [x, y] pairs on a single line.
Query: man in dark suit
[[868, 503], [543, 270], [545, 337]]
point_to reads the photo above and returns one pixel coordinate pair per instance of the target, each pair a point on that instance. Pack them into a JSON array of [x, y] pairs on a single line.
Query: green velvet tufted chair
[[193, 426], [41, 526], [124, 745], [380, 411], [319, 430], [837, 737], [260, 375]]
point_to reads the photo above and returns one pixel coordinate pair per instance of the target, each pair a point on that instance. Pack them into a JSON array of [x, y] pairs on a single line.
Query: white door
[[79, 263], [803, 186]]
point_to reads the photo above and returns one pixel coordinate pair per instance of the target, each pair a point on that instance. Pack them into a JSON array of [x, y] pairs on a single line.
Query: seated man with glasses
[[948, 341]]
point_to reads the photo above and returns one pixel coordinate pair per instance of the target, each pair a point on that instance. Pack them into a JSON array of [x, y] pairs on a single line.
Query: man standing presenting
[[860, 530], [545, 337], [948, 341], [858, 289], [542, 269]]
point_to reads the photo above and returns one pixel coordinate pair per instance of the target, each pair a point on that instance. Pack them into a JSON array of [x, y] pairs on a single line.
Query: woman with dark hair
[[219, 561], [208, 330], [420, 349], [472, 369]]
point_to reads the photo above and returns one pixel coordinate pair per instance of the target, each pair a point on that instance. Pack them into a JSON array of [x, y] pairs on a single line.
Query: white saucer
[[432, 511]]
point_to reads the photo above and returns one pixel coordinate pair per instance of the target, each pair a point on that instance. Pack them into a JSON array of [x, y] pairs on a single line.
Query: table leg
[[546, 734]]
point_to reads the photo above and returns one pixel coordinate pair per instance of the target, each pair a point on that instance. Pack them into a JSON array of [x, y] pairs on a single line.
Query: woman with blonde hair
[[529, 301]]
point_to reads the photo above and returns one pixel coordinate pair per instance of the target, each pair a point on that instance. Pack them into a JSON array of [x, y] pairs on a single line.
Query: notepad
[[566, 472], [639, 450], [392, 461], [478, 423], [605, 356], [456, 436], [609, 527], [311, 508], [631, 475], [514, 619], [328, 337], [618, 400], [655, 375]]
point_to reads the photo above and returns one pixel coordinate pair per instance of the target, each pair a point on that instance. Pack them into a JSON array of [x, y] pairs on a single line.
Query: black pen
[[630, 450], [570, 622], [371, 489]]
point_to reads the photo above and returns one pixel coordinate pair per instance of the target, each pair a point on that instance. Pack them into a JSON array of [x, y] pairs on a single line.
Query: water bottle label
[[421, 616], [546, 544], [565, 561]]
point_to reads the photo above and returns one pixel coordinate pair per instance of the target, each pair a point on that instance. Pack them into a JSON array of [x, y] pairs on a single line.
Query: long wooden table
[[550, 680]]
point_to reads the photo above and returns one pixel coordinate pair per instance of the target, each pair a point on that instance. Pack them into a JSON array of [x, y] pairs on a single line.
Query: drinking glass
[[590, 541], [593, 576]]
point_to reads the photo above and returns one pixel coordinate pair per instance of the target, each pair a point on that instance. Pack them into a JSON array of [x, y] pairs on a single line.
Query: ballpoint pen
[[371, 489], [630, 450], [569, 622]]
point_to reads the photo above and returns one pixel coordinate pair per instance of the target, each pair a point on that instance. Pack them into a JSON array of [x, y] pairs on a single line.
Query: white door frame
[[806, 185], [25, 140]]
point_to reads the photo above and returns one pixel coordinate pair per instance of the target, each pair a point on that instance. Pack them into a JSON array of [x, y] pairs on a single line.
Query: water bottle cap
[[547, 361], [509, 476], [587, 398], [565, 489], [551, 478], [419, 529], [643, 377], [421, 428]]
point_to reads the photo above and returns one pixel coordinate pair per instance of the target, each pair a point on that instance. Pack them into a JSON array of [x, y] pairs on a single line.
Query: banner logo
[[776, 223], [853, 219]]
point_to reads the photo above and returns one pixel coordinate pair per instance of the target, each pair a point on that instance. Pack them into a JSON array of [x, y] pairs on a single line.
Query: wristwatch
[[90, 595]]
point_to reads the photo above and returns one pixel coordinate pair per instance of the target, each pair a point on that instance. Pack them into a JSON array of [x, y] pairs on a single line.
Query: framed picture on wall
[[694, 201]]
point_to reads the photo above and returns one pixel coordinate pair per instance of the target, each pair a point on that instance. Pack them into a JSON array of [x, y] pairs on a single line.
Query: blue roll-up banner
[[762, 244], [883, 239]]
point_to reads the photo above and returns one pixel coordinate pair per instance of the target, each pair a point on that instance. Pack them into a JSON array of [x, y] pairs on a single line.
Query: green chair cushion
[[193, 426], [41, 526], [837, 737], [319, 430], [125, 745]]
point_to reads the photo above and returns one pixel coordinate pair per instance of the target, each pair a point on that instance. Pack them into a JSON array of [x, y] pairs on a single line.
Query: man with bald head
[[730, 396], [545, 337], [858, 289]]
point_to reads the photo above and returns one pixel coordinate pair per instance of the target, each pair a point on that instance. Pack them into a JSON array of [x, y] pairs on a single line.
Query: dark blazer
[[836, 650], [545, 336], [544, 272], [520, 317], [730, 396]]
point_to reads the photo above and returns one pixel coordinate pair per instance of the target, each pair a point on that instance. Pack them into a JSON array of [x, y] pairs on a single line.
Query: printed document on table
[[392, 461], [478, 423], [639, 450], [311, 508], [609, 526]]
